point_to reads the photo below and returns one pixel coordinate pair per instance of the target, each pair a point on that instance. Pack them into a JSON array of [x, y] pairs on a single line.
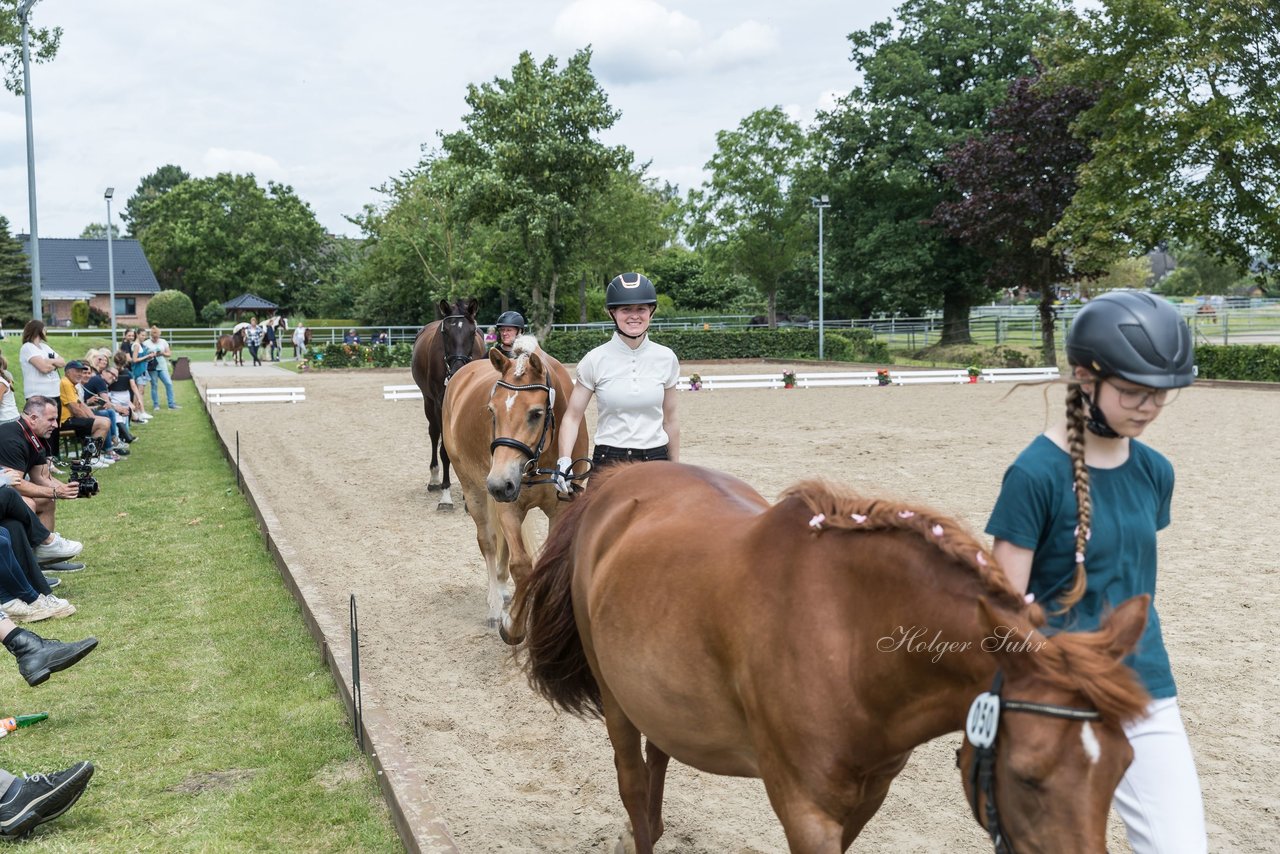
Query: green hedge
[[359, 356], [696, 345], [1253, 362], [856, 345]]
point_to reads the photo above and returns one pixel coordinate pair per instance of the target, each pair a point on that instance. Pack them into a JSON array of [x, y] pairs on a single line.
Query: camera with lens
[[82, 470]]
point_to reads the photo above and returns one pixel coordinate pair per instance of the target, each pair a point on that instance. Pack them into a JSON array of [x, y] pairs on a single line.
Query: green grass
[[206, 708]]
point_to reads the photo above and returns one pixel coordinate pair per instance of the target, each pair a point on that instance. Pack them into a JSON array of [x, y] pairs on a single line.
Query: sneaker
[[23, 612], [60, 549], [175, 406], [120, 451], [62, 566], [52, 580], [58, 606], [31, 801], [100, 463]]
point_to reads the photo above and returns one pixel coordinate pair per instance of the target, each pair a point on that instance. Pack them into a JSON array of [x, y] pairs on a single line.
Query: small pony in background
[[231, 344]]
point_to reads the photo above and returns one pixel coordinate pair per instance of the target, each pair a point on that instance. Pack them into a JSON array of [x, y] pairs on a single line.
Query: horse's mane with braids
[[1071, 661], [843, 509]]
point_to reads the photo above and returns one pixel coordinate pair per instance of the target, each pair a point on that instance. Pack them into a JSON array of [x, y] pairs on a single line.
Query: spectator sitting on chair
[[76, 415], [96, 392], [163, 355], [352, 337], [34, 547], [22, 449]]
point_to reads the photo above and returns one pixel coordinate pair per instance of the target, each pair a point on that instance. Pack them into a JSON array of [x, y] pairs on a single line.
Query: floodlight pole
[[111, 270], [37, 307], [821, 203]]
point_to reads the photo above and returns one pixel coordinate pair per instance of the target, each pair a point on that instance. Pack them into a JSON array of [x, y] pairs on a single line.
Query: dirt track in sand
[[345, 473]]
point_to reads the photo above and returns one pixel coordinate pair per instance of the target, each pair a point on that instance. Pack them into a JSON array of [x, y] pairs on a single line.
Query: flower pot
[[788, 385], [973, 379]]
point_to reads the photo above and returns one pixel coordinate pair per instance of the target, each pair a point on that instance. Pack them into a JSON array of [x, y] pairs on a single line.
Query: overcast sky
[[335, 97]]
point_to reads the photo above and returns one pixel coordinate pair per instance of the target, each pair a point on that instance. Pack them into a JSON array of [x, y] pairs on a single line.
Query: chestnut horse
[[500, 418], [815, 644], [441, 348], [233, 344]]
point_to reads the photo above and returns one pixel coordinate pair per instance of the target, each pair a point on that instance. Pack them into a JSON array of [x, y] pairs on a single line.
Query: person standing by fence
[[161, 371], [253, 339]]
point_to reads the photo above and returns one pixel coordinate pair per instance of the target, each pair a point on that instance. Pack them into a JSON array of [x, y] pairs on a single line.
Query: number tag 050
[[984, 720]]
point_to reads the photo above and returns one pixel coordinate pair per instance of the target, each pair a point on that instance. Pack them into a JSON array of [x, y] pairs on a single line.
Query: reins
[[981, 729], [530, 472]]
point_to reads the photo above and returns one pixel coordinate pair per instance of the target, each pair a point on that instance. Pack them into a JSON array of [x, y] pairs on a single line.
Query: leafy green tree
[[98, 231], [1128, 272], [149, 189], [213, 313], [530, 157], [928, 83], [42, 44], [1200, 272], [171, 308], [747, 217], [15, 278], [627, 223], [1186, 145], [214, 238]]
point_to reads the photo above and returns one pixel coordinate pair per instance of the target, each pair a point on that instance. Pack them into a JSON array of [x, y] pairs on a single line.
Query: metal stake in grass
[[357, 702]]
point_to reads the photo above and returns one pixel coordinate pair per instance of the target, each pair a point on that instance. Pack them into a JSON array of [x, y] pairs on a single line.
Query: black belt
[[608, 453]]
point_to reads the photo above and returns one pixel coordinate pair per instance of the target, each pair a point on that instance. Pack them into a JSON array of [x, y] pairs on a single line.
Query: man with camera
[[22, 453]]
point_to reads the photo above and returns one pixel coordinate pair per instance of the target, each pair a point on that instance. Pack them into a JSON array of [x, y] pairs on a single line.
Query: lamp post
[[111, 270], [24, 15], [821, 203]]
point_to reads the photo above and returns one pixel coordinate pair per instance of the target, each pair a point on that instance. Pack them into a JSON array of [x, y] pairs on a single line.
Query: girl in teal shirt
[[1130, 354]]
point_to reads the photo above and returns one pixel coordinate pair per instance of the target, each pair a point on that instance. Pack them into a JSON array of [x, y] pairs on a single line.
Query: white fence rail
[[219, 396], [866, 378], [401, 392]]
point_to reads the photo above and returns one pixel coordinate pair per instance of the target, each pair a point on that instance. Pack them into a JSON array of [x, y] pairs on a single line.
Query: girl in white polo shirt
[[634, 382]]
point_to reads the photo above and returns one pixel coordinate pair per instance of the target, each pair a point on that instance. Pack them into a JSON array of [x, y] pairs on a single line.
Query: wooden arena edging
[[421, 827]]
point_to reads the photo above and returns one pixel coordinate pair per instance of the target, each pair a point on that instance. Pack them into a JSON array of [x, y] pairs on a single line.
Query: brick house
[[76, 268]]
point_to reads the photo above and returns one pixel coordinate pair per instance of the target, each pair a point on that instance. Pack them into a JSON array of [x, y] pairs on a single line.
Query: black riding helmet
[[630, 289], [1133, 336], [511, 318]]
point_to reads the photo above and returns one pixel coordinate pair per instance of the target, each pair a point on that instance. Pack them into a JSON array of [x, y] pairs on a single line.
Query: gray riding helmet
[[1134, 336], [630, 289], [511, 318]]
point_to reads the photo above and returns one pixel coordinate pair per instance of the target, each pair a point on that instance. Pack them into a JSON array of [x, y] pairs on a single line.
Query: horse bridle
[[453, 363], [530, 471], [981, 729]]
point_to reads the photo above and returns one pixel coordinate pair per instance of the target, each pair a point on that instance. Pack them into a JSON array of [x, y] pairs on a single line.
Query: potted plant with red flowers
[[789, 378], [882, 376], [974, 373]]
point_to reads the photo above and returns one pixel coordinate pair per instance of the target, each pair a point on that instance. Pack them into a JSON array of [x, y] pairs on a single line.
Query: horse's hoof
[[504, 631], [433, 487], [442, 507]]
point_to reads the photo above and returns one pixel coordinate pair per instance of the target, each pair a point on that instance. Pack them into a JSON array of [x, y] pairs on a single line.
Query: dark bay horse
[[815, 644], [441, 348], [233, 344], [500, 418]]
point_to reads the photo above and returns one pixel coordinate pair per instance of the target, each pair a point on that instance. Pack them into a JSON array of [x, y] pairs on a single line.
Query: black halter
[[453, 362], [981, 730]]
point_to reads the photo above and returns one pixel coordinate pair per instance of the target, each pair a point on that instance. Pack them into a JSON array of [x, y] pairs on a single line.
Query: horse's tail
[[542, 614]]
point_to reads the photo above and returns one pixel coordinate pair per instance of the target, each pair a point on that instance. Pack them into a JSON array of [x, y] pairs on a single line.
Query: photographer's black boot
[[38, 657]]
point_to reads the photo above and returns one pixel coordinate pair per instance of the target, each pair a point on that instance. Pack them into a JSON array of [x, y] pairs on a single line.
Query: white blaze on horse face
[[1091, 747], [511, 401]]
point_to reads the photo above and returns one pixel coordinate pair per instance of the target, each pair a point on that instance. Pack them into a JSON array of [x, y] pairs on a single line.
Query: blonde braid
[[1084, 504]]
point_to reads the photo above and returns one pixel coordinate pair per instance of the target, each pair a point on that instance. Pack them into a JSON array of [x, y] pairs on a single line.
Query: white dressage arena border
[[280, 394], [401, 392], [870, 378], [819, 380]]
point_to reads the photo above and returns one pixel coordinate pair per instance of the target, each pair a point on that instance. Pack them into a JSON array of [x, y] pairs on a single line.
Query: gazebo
[[248, 303]]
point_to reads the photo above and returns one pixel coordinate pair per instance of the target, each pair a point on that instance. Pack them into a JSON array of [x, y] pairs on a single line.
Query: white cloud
[[635, 40], [262, 166]]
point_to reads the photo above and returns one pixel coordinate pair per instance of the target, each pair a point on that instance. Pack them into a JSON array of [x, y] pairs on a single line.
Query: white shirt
[[33, 381], [629, 386], [159, 346], [8, 405]]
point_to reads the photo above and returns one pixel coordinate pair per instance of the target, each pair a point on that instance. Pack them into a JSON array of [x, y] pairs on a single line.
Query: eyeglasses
[[1136, 398]]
